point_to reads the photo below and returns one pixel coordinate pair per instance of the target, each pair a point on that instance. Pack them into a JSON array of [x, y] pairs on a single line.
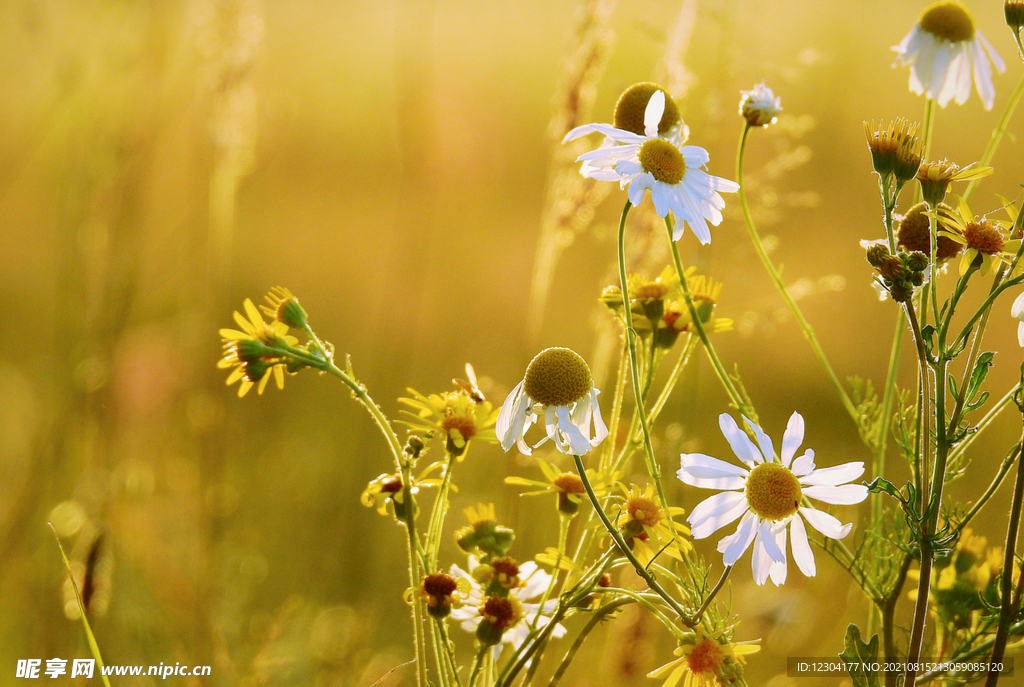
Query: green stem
[[716, 362], [598, 617], [449, 649], [883, 426], [991, 415], [415, 555], [478, 664], [563, 530], [780, 285], [711, 596], [437, 515], [996, 483], [997, 134], [613, 422], [1006, 609], [631, 337]]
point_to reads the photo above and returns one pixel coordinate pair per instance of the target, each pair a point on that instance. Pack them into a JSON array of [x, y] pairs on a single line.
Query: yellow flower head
[[484, 536], [985, 239], [253, 351], [455, 415], [706, 660], [387, 490], [648, 527], [566, 485]]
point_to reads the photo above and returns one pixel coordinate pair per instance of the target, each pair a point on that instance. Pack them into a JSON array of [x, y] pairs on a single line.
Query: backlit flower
[[387, 490], [760, 106], [705, 660], [648, 527], [765, 494], [249, 351], [566, 485], [673, 172], [559, 391], [984, 238], [1017, 312], [943, 50], [454, 415]]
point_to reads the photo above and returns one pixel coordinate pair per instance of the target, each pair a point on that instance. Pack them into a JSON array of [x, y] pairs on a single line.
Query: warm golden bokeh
[[396, 165]]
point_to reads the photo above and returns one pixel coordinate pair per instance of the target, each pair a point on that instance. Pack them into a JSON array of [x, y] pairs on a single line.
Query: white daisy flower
[[765, 496], [527, 581], [559, 391], [760, 106], [673, 172], [943, 50], [1017, 312]]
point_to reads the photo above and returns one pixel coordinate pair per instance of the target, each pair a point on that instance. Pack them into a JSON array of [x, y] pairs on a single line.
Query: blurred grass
[[388, 163]]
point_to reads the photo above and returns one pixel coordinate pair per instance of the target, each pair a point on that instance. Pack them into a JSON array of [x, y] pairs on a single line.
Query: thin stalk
[[437, 515], [626, 551], [716, 362], [563, 530], [997, 134], [714, 592], [439, 658], [596, 618], [478, 664], [991, 415], [449, 649], [776, 278], [888, 609], [927, 130], [883, 426], [613, 423], [415, 554], [631, 337], [996, 483], [1007, 608]]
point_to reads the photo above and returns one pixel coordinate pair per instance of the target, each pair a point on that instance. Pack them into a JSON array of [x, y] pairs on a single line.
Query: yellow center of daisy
[[557, 377], [773, 491], [948, 20], [663, 160], [644, 510], [984, 238], [705, 657], [629, 111], [570, 483]]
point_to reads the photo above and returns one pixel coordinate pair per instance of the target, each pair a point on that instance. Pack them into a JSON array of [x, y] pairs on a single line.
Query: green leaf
[[858, 656]]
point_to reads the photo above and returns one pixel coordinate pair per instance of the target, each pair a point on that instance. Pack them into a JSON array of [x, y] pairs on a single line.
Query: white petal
[[825, 523], [1017, 309], [845, 495], [802, 548], [579, 444], [764, 530], [763, 440], [982, 75], [600, 429], [741, 444], [833, 476], [779, 569], [578, 132], [792, 439], [653, 113], [512, 417], [714, 513], [706, 472], [637, 187], [733, 546], [940, 73], [804, 464], [760, 561]]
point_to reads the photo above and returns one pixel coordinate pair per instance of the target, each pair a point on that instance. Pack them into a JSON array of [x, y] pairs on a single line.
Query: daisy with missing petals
[[706, 660], [558, 390], [673, 172], [943, 50], [765, 495]]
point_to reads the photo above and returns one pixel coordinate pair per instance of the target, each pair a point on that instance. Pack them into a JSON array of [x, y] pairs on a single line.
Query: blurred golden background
[[394, 165]]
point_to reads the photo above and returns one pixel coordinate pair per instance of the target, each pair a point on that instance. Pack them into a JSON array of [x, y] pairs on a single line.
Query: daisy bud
[[894, 149], [900, 292], [1014, 11], [283, 306], [759, 106], [934, 178], [439, 591], [916, 261], [892, 269], [877, 255]]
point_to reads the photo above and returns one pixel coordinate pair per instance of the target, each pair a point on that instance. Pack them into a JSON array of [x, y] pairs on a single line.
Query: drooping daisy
[[765, 495], [673, 172], [559, 390], [705, 660], [943, 50], [497, 597]]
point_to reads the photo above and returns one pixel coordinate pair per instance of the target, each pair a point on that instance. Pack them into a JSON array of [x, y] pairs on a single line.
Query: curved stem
[[1004, 468], [712, 594], [631, 337], [437, 515], [997, 134], [716, 362], [776, 278], [598, 617]]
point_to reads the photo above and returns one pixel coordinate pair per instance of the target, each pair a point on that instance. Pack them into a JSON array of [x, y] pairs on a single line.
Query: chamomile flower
[[943, 50], [673, 172], [558, 390], [705, 660], [765, 495], [498, 597]]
